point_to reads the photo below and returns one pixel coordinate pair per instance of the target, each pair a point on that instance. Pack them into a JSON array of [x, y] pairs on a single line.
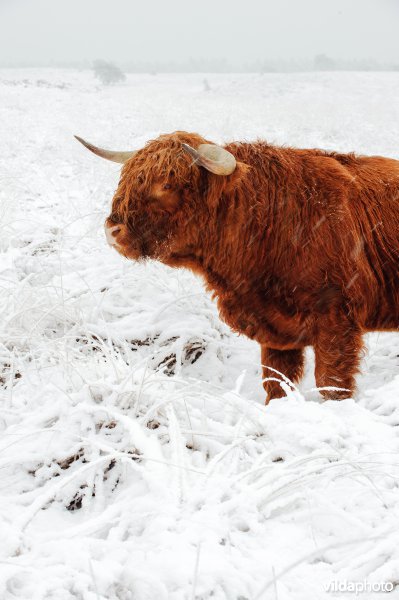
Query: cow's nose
[[111, 233]]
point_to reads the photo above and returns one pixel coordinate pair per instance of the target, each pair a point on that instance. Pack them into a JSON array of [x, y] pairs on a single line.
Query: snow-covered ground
[[137, 460]]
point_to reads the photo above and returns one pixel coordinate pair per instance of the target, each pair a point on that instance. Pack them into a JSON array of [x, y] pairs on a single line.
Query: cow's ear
[[217, 186], [236, 178]]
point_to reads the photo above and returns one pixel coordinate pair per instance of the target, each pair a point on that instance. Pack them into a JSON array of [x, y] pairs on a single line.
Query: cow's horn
[[119, 157], [213, 158]]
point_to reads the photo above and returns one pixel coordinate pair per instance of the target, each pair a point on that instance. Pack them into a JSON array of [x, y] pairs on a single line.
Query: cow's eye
[[167, 186]]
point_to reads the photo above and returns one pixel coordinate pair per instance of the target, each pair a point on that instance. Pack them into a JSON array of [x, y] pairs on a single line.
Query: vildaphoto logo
[[358, 587]]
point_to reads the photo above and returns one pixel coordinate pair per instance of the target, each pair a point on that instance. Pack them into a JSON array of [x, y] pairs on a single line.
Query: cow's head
[[162, 189]]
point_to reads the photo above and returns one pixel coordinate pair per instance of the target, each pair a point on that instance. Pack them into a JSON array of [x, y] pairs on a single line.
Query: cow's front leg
[[337, 356], [288, 362]]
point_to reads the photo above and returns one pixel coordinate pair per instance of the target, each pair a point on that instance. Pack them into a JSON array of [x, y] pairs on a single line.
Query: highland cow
[[300, 247]]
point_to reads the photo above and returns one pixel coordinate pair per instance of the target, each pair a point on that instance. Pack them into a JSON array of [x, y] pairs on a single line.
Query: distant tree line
[[108, 73], [320, 62]]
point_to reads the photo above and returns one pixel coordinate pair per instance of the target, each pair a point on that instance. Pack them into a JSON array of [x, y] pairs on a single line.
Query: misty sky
[[179, 30]]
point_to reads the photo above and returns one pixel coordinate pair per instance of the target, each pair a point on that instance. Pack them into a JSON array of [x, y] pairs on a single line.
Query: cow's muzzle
[[111, 231]]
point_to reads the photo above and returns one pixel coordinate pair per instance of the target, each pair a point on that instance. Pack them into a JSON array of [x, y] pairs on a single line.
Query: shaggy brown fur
[[300, 247]]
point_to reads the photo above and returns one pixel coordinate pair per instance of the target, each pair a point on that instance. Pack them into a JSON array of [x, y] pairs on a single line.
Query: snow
[[137, 459]]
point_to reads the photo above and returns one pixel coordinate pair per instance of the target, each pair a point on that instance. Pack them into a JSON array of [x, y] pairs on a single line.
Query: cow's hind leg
[[288, 362], [337, 356]]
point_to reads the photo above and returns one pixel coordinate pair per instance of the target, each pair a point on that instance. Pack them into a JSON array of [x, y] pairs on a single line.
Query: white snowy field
[[137, 460]]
